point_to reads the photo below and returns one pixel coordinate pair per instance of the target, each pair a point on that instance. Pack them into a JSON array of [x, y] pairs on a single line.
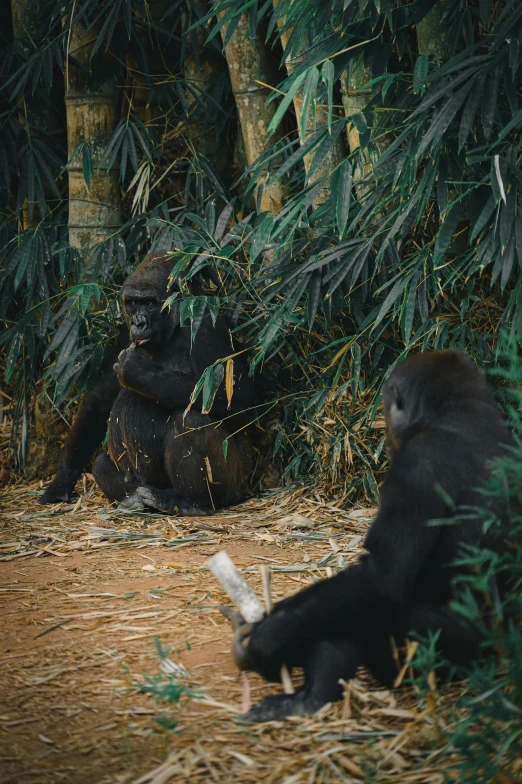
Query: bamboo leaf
[[342, 196], [498, 178], [390, 300], [308, 104], [285, 103], [14, 353], [328, 76], [210, 387], [323, 149], [410, 307], [299, 154], [223, 219], [489, 102], [507, 265], [485, 9], [447, 231], [443, 119], [420, 73], [314, 292], [198, 313], [470, 111], [229, 382], [484, 216], [262, 235]]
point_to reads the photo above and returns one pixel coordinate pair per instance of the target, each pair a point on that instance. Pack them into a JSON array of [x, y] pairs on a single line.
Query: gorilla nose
[[139, 326]]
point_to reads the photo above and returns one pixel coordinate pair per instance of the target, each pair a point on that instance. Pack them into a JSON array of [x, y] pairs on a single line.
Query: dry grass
[[84, 590]]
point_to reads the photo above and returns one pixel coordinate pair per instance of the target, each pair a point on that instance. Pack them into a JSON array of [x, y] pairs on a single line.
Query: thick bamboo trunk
[[201, 78], [94, 214], [338, 151], [432, 32], [355, 100], [249, 64]]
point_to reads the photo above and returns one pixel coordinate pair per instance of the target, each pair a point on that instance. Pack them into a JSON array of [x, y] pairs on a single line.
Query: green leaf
[[285, 103], [447, 231], [14, 353], [212, 383], [441, 123], [328, 76], [314, 292], [343, 194], [410, 308], [198, 314], [485, 9], [484, 216], [470, 111], [507, 265], [307, 116], [489, 103], [420, 73], [322, 151], [390, 300], [300, 153], [262, 235]]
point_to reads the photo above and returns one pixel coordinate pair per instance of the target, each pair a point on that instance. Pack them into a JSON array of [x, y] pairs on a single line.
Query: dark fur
[[155, 457], [443, 428]]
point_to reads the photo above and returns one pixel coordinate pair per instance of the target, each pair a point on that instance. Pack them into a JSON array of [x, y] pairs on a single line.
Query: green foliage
[[483, 730], [418, 246], [168, 687]]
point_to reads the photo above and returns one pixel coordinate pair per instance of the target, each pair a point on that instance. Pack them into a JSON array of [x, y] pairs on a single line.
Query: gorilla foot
[[61, 488], [167, 501], [280, 706]]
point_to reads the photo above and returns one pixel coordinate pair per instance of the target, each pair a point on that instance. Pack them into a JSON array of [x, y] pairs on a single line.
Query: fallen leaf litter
[[85, 588]]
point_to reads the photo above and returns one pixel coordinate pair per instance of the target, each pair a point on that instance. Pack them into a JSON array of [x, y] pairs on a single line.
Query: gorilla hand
[[269, 645], [133, 367]]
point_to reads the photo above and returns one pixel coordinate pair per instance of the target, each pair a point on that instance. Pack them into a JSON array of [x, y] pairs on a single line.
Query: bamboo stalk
[[432, 32], [250, 68], [90, 101], [338, 151]]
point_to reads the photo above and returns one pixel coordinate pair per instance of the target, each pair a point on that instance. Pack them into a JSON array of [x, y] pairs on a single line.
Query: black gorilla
[[157, 457], [443, 428]]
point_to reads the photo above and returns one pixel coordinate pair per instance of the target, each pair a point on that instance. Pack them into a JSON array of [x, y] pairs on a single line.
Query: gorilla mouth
[[142, 341]]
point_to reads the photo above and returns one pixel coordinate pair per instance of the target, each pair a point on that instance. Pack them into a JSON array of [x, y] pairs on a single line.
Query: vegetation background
[[343, 176]]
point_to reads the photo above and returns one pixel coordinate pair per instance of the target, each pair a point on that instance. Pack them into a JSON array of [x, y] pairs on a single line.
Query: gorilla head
[[143, 296], [427, 386]]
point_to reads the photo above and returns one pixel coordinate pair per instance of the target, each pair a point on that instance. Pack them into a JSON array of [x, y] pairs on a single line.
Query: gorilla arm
[[87, 431], [371, 596], [171, 377]]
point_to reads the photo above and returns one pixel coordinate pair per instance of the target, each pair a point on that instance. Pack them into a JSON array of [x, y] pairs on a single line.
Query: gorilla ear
[[397, 416], [394, 396]]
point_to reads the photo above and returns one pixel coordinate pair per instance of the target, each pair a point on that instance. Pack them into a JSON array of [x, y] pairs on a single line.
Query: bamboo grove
[[344, 177]]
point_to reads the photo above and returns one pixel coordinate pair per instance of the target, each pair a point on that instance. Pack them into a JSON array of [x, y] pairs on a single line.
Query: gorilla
[[443, 430], [157, 456]]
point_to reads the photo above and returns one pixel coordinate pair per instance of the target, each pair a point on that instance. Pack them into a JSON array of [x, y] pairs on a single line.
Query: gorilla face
[[143, 295], [143, 316]]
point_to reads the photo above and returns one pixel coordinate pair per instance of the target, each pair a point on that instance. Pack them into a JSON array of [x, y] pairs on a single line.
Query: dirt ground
[[84, 590]]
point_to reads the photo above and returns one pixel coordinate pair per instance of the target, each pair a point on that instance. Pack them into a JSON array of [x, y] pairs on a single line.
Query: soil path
[[84, 592]]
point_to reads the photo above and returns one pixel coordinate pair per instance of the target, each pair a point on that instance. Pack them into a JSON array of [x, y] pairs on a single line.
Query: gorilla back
[[443, 430], [157, 457]]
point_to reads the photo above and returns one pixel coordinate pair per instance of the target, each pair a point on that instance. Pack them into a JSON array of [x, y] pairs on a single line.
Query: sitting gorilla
[[157, 457], [443, 428]]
